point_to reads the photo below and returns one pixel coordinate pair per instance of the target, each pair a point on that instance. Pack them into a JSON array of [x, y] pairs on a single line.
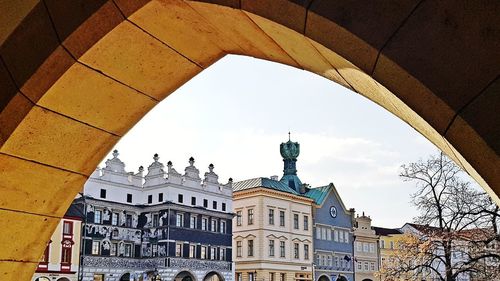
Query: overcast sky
[[236, 113]]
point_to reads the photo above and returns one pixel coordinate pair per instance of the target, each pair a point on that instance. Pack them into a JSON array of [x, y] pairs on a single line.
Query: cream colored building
[[365, 250], [61, 258], [272, 233]]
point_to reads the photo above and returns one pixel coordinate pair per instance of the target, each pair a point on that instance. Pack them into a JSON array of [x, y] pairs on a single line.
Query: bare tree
[[456, 236]]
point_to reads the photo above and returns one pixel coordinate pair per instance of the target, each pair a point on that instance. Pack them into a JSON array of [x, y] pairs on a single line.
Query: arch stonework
[[213, 273], [324, 277], [77, 75]]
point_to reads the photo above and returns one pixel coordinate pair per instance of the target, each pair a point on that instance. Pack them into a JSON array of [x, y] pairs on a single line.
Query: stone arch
[[341, 278], [213, 276], [324, 277], [71, 69], [63, 279], [42, 278], [185, 275], [125, 277], [367, 279]]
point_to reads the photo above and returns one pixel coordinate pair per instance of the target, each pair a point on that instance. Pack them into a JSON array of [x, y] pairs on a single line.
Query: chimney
[[274, 178]]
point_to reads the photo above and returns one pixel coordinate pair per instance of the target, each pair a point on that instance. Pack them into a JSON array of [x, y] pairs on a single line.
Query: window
[[97, 216], [154, 248], [238, 218], [271, 276], [337, 262], [178, 249], [180, 198], [222, 226], [250, 248], [282, 249], [129, 198], [336, 235], [306, 222], [239, 277], [251, 277], [96, 246], [365, 247], [271, 216], [365, 266], [358, 246], [114, 218], [271, 248], [372, 248], [214, 225], [359, 266], [192, 251], [328, 234], [330, 261], [222, 254], [150, 199], [205, 203], [296, 250], [296, 221], [103, 193], [67, 228], [212, 253], [323, 233], [156, 220], [66, 255], [128, 250], [203, 252], [306, 251], [250, 216], [204, 224], [238, 248], [282, 218], [223, 207], [160, 197], [193, 200], [192, 222], [179, 220], [282, 276], [214, 205], [128, 220], [391, 244], [113, 249], [372, 266], [382, 244], [318, 232], [346, 237], [341, 236]]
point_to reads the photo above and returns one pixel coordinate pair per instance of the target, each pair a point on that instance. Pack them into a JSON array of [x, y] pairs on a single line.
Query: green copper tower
[[290, 151]]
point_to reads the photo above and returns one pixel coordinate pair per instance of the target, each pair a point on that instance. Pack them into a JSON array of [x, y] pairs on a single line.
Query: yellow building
[[61, 258], [389, 240], [272, 234]]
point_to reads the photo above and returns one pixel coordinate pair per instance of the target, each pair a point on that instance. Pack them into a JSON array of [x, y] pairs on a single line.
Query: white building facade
[[160, 226]]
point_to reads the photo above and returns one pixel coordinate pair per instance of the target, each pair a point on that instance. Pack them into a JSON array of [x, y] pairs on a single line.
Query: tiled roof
[[75, 210], [318, 194], [263, 182], [386, 231]]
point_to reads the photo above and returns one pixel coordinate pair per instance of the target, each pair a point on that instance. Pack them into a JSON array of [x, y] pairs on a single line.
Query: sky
[[236, 113]]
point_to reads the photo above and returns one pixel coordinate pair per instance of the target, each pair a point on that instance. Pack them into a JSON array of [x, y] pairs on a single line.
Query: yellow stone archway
[[77, 75]]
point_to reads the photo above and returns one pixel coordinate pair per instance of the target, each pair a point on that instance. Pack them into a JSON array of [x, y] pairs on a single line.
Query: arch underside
[[77, 75]]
